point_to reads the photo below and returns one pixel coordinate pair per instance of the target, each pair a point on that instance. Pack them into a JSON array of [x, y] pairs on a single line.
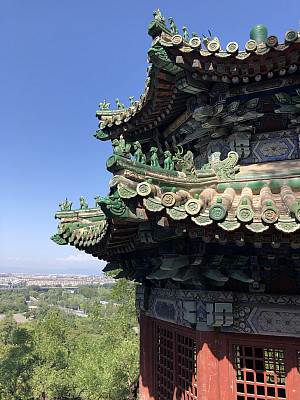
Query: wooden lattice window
[[186, 367], [176, 364], [164, 363], [260, 373]]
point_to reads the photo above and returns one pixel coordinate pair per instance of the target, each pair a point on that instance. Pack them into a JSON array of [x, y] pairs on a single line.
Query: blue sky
[[59, 60]]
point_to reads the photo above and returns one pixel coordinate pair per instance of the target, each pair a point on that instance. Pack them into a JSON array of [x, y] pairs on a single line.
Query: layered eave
[[221, 210], [218, 221], [181, 69], [215, 175]]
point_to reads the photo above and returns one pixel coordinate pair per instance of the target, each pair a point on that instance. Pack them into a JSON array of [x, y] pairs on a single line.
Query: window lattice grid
[[186, 367], [164, 363], [175, 364], [260, 373]]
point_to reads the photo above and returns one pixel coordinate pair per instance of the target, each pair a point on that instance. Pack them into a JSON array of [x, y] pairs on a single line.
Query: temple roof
[[210, 47], [212, 193], [144, 230], [252, 204], [183, 67]]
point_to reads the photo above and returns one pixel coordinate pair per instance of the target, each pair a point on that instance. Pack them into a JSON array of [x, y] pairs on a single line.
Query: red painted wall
[[166, 346]]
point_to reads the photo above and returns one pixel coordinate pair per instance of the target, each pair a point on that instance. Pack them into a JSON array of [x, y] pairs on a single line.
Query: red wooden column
[[207, 366], [212, 366], [147, 353], [292, 366]]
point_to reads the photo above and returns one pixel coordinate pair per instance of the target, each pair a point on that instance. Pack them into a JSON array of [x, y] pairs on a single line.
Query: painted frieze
[[226, 311]]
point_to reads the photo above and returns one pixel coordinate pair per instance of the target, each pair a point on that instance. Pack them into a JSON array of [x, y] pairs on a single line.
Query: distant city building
[[17, 280]]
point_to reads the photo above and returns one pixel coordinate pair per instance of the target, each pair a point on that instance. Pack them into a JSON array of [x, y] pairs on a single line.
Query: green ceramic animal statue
[[119, 105], [185, 34], [83, 204], [168, 162], [139, 156], [173, 27], [154, 158]]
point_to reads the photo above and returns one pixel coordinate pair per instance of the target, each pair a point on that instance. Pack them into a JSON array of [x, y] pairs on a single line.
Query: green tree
[[119, 344], [61, 356], [16, 364], [51, 375], [7, 326]]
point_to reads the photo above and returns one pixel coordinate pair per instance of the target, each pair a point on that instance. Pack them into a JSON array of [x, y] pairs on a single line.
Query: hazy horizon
[[50, 273], [79, 263]]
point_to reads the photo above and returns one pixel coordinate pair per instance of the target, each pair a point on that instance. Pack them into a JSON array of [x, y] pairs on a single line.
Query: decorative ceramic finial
[[158, 17], [119, 105], [154, 158], [259, 33], [173, 27], [65, 205], [83, 204], [168, 162], [121, 148], [104, 105], [185, 34], [139, 156]]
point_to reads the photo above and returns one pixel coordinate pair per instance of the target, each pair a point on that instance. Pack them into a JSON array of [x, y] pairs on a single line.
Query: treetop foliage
[[59, 356]]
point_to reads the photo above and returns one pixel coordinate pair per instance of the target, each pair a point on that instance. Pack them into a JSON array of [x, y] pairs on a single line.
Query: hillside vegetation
[[61, 356]]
